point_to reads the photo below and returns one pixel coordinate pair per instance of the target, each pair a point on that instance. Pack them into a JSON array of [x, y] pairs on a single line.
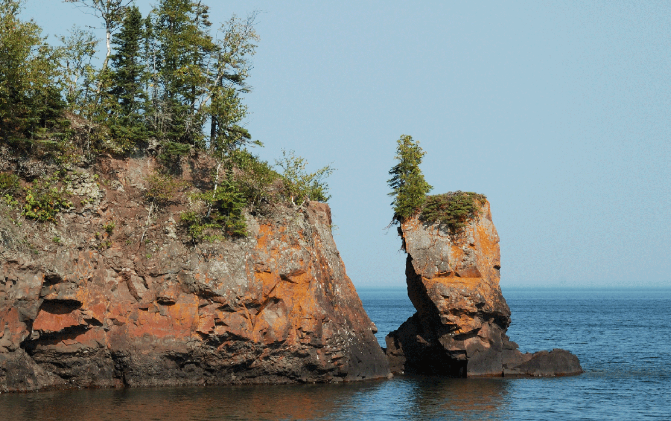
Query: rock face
[[81, 307], [460, 325]]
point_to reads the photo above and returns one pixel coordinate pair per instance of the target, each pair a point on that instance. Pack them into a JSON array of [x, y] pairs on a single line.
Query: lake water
[[622, 337]]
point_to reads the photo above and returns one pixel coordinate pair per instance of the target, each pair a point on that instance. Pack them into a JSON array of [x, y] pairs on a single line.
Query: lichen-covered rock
[[461, 320], [139, 305]]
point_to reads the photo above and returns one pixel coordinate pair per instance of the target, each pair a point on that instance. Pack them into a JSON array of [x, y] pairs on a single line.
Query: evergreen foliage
[[227, 82], [225, 212], [127, 77], [184, 45], [30, 101], [408, 186]]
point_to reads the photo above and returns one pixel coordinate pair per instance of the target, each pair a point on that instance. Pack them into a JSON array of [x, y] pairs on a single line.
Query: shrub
[[44, 200], [173, 150], [255, 177], [452, 209], [9, 184], [109, 227], [301, 185], [163, 189], [225, 212]]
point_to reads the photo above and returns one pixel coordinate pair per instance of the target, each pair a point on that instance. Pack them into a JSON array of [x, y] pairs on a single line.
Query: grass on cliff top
[[453, 209]]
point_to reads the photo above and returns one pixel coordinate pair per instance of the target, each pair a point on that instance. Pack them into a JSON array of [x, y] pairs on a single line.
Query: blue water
[[621, 337]]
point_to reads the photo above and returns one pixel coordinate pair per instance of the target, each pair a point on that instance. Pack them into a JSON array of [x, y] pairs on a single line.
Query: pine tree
[[184, 45], [127, 75], [409, 188], [150, 53], [30, 101], [228, 80]]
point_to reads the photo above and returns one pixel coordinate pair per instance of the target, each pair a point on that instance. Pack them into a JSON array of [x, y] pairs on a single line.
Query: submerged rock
[[109, 310], [460, 325]]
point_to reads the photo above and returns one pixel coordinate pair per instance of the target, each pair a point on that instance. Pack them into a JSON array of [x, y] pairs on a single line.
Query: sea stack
[[81, 305], [460, 325]]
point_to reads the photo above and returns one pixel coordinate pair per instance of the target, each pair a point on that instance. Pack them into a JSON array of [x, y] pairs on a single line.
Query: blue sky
[[559, 112]]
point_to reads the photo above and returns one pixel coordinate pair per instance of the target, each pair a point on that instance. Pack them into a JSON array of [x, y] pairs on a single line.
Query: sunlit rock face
[[274, 307], [461, 320]]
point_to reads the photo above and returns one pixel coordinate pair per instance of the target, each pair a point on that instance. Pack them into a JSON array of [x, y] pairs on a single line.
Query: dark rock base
[[422, 347]]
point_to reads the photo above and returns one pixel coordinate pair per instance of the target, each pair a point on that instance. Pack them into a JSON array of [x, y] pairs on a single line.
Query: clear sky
[[559, 112]]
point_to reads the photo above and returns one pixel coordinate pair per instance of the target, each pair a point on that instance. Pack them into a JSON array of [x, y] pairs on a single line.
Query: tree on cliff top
[[30, 101], [409, 189], [111, 12], [126, 78]]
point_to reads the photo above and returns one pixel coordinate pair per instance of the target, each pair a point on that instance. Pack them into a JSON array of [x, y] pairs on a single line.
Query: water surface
[[621, 337]]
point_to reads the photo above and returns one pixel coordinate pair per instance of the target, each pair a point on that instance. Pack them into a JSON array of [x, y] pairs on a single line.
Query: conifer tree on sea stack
[[409, 189]]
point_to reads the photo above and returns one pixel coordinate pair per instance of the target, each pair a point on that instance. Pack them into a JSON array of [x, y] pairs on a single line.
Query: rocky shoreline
[[97, 310], [274, 307]]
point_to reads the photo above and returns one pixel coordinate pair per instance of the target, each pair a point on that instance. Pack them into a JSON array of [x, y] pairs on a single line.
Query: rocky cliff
[[460, 325], [111, 295]]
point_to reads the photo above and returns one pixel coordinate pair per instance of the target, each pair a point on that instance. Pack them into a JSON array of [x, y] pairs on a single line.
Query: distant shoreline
[[535, 288]]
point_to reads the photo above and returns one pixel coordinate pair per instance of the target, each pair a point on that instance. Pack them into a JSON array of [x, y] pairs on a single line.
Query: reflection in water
[[465, 398], [402, 398]]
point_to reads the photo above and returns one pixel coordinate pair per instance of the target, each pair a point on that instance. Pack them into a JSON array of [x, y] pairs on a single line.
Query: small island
[[452, 271]]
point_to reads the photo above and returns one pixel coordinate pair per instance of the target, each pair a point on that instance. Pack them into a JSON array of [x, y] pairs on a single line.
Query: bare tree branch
[[110, 11]]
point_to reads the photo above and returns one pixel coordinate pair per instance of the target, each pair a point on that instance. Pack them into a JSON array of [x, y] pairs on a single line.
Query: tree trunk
[[108, 40], [216, 184]]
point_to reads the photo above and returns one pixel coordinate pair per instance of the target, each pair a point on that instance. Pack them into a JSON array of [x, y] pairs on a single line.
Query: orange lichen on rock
[[274, 307]]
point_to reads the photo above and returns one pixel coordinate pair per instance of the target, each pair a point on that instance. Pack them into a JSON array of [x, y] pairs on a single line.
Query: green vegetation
[[301, 185], [163, 188], [452, 209], [30, 101], [409, 190], [244, 181], [9, 184], [224, 207], [125, 82], [44, 200], [408, 186], [109, 227], [165, 76], [171, 85], [256, 179]]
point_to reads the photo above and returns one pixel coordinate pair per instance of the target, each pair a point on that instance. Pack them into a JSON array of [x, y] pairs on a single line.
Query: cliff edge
[[460, 325], [112, 295]]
